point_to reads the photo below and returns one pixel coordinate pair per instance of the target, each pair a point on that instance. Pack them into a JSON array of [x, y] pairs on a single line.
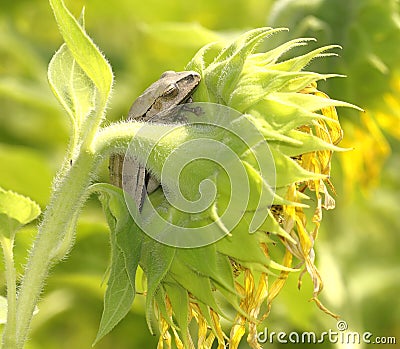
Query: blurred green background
[[358, 247]]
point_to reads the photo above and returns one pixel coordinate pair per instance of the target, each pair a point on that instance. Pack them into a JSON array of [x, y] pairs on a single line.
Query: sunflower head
[[281, 132]]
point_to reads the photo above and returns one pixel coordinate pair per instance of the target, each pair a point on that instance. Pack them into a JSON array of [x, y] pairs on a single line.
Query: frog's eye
[[171, 90]]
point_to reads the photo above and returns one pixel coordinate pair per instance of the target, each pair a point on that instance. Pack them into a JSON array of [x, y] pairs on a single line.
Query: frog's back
[[144, 102]]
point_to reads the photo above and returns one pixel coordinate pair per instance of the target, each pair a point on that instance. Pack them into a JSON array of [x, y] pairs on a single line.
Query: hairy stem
[[68, 198], [7, 245]]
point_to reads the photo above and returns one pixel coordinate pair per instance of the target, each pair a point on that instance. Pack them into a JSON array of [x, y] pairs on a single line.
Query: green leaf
[[199, 64], [81, 78], [299, 62], [126, 243], [180, 304], [272, 56], [223, 74], [3, 310], [156, 261], [283, 117], [72, 87], [215, 268], [308, 101], [247, 42], [233, 246], [160, 300], [15, 211], [85, 52], [199, 286], [205, 311], [309, 143], [290, 171], [256, 85]]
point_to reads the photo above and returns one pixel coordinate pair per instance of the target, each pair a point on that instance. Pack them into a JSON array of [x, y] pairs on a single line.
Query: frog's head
[[173, 88]]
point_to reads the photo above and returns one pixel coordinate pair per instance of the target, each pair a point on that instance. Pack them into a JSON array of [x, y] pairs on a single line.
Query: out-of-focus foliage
[[358, 250]]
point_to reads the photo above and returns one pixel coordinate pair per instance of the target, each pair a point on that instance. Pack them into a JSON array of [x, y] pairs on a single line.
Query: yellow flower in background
[[388, 117], [362, 167]]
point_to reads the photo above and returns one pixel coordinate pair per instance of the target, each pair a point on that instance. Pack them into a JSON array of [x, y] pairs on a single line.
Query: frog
[[172, 89]]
